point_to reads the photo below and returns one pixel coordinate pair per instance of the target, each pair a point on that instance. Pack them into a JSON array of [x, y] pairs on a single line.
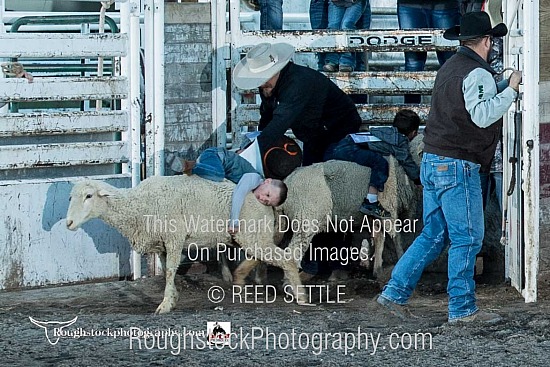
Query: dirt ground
[[268, 332]]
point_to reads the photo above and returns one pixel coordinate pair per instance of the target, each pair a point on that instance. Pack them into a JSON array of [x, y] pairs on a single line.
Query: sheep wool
[[164, 215]]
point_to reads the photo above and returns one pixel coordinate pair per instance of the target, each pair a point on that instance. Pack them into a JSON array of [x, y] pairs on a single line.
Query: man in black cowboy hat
[[461, 133]]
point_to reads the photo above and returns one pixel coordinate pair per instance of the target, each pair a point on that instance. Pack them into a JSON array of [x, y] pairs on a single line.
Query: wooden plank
[[56, 123], [63, 89], [56, 155], [63, 45], [366, 40], [249, 114]]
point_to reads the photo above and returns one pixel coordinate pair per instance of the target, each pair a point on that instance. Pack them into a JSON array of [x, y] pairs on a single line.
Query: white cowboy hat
[[261, 63]]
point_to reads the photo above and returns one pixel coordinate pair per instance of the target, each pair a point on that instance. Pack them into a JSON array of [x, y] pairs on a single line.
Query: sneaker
[[400, 311], [374, 209], [478, 317], [330, 67], [346, 68]]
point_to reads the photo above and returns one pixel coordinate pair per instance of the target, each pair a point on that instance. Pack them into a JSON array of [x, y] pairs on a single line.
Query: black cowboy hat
[[281, 158], [475, 24]]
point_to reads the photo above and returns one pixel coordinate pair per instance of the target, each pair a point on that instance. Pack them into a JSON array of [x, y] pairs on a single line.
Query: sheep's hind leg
[[288, 265], [242, 271], [173, 258]]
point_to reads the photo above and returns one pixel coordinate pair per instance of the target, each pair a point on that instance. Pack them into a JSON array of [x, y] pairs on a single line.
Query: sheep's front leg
[[173, 259], [224, 265]]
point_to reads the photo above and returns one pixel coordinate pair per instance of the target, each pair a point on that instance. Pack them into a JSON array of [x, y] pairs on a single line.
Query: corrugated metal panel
[[19, 124], [62, 45]]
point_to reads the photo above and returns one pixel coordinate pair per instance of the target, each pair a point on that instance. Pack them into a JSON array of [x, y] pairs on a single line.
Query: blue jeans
[[426, 17], [363, 23], [347, 150], [343, 18], [452, 206], [318, 18], [215, 164], [271, 15]]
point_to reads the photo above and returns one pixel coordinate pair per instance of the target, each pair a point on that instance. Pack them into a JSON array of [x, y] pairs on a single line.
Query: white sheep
[[175, 201], [334, 190]]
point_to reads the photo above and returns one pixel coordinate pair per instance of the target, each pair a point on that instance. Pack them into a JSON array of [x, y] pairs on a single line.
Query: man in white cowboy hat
[[319, 113], [461, 134], [296, 97]]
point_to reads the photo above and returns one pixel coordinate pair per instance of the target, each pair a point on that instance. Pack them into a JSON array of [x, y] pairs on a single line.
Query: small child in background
[[388, 140], [395, 140]]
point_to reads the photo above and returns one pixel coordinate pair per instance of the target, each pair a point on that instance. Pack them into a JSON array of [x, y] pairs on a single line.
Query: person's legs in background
[[363, 23], [351, 16], [361, 56], [412, 18], [335, 16], [271, 15], [318, 18], [444, 19]]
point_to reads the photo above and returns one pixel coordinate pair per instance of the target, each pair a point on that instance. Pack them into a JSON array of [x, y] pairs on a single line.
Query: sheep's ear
[[103, 193]]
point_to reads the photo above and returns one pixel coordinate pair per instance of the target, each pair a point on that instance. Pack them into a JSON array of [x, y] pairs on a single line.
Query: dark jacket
[[396, 144], [318, 112], [450, 131]]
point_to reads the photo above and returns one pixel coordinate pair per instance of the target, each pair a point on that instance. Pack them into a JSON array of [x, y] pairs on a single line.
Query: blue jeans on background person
[[413, 18], [343, 18], [347, 150], [271, 15], [215, 164], [363, 23], [318, 18], [453, 207]]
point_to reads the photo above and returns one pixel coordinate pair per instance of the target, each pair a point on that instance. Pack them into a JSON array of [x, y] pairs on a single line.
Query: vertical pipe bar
[[530, 146], [149, 88], [129, 24], [219, 81], [4, 108], [236, 42], [158, 106]]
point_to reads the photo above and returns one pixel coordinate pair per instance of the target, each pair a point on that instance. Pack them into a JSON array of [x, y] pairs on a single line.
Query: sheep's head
[[88, 200]]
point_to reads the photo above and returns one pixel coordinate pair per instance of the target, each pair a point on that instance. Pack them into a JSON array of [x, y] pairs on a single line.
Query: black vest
[[450, 131]]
